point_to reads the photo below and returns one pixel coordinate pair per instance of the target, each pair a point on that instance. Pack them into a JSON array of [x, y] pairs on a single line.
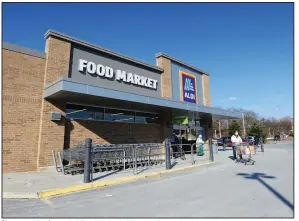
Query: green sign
[[180, 120]]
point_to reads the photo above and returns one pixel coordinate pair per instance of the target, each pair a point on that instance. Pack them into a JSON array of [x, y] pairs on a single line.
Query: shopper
[[236, 140], [174, 145], [199, 144], [256, 140]]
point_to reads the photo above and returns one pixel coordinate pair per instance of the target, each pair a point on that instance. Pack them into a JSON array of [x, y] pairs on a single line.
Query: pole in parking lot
[[167, 155], [262, 147], [87, 162], [211, 150]]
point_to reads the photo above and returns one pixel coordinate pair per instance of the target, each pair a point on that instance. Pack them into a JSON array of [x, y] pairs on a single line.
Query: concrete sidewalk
[[31, 185]]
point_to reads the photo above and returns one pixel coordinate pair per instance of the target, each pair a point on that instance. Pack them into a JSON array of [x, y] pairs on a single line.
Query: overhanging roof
[[68, 85]]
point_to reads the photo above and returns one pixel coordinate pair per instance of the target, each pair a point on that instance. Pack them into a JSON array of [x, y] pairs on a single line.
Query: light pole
[[220, 129], [277, 111], [243, 125]]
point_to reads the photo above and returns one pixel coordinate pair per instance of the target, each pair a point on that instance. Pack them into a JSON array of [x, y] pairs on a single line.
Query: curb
[[83, 187], [16, 195]]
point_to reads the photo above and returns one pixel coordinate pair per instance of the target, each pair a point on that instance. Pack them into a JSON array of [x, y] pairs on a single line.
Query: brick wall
[[23, 81], [206, 90], [116, 133], [51, 135], [166, 85], [111, 132]]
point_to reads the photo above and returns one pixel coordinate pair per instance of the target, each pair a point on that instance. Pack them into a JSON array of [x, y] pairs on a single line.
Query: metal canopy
[[69, 90]]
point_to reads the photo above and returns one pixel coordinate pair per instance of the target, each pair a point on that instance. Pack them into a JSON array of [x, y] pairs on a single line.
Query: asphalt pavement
[[225, 189]]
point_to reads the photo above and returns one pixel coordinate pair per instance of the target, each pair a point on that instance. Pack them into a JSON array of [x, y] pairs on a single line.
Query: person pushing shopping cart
[[236, 141]]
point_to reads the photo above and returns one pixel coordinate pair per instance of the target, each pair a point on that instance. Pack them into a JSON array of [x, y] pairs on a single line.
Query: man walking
[[174, 142], [236, 140]]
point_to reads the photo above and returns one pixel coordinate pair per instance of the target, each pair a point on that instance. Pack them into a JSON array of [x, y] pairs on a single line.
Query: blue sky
[[246, 47]]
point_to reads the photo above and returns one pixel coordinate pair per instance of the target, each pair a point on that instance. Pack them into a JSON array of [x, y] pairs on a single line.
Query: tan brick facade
[[116, 133], [29, 136], [206, 90], [23, 83], [166, 87], [51, 135], [110, 132]]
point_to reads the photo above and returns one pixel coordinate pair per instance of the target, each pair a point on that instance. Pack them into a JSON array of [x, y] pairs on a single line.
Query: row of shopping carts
[[111, 157]]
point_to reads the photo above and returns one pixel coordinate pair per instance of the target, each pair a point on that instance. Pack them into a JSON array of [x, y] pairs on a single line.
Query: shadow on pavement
[[231, 157], [108, 174], [258, 177], [175, 163]]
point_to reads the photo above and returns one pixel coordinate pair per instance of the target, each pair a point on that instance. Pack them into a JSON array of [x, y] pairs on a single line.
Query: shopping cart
[[246, 152]]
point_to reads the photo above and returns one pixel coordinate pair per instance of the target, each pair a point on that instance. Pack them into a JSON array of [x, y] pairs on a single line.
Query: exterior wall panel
[[51, 136], [176, 87], [115, 64], [206, 90], [166, 84]]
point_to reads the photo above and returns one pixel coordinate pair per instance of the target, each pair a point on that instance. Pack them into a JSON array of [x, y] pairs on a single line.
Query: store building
[[74, 90]]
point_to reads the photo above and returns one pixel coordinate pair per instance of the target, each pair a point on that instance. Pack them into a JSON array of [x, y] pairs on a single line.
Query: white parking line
[[49, 202]]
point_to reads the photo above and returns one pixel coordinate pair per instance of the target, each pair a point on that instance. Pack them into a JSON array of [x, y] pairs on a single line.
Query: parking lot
[[224, 189]]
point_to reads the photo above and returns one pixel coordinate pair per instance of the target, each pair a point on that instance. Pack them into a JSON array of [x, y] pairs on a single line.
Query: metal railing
[[120, 157], [147, 156], [113, 157]]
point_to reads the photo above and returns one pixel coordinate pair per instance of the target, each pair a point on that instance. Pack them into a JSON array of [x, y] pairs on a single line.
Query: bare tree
[[270, 126]]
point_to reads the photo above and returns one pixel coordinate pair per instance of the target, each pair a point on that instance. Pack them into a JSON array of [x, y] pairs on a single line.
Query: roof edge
[[175, 104], [23, 50], [99, 48], [182, 63]]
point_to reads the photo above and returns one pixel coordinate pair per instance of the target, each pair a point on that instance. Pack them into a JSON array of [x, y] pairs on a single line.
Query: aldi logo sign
[[188, 87]]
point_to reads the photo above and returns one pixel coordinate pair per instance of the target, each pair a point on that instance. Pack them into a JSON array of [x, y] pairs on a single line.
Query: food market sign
[[99, 70], [188, 87]]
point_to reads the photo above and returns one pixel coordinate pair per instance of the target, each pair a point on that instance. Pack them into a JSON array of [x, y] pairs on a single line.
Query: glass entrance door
[[180, 131]]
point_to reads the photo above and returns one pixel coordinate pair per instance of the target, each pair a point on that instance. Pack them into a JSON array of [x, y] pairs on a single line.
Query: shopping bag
[[252, 149], [247, 151]]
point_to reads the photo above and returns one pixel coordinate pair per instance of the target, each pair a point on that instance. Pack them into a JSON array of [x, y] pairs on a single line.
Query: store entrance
[[187, 134]]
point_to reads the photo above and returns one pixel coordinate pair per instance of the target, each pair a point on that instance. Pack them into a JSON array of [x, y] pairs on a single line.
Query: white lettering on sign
[[189, 85], [104, 71], [101, 70], [91, 68], [189, 95], [121, 75], [109, 72]]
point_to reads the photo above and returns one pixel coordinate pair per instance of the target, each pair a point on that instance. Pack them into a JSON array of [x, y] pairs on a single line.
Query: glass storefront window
[[108, 114], [146, 118], [119, 115], [83, 112], [76, 112], [192, 135]]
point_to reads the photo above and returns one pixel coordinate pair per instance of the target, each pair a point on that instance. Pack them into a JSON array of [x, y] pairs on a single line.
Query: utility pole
[[227, 127], [277, 110], [220, 128], [243, 125]]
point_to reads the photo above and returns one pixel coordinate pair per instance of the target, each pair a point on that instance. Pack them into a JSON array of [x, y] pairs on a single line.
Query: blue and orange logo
[[188, 87]]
